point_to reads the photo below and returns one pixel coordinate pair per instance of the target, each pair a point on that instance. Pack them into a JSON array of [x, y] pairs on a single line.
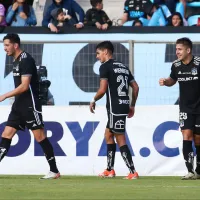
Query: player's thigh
[[9, 132], [15, 121], [109, 136], [187, 125], [119, 124], [33, 120], [197, 130]]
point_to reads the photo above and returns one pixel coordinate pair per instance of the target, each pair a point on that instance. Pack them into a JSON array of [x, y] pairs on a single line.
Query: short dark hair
[[106, 45], [185, 41], [13, 37], [95, 2], [60, 10]]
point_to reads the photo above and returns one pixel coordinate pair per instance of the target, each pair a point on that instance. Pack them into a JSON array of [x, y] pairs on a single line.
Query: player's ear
[[188, 50], [16, 45]]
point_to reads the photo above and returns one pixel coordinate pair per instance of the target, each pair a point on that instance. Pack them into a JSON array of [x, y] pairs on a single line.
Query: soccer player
[[186, 70], [26, 110], [115, 79]]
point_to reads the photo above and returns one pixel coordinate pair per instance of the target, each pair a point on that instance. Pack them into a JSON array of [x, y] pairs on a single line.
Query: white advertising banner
[[77, 136], [74, 71]]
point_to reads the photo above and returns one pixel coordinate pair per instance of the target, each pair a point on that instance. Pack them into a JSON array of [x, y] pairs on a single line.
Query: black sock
[[4, 147], [111, 149], [126, 155], [188, 155], [48, 151], [197, 159]]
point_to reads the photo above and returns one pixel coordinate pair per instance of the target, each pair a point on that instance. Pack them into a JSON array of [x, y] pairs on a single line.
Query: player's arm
[[24, 86], [167, 82], [100, 93], [104, 74], [135, 91]]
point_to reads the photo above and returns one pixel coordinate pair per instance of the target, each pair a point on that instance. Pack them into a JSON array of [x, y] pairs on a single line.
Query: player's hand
[[92, 107], [131, 112], [2, 98], [23, 15], [53, 28], [78, 25], [162, 81], [104, 27], [98, 25], [15, 6]]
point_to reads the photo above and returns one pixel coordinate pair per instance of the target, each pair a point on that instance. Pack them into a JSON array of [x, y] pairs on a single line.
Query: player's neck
[[108, 58], [187, 60], [17, 53]]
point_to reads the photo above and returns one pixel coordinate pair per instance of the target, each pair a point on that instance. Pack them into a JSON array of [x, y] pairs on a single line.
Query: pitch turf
[[77, 187]]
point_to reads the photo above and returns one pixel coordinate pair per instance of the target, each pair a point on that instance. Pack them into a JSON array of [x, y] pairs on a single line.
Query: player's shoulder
[[26, 57], [197, 58], [176, 63], [119, 64]]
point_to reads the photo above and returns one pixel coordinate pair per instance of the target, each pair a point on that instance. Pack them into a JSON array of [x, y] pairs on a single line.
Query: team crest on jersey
[[120, 124], [16, 68], [194, 71]]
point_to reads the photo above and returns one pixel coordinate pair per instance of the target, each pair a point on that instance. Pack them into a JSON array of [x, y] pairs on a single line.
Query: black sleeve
[[130, 77], [173, 73], [26, 66], [126, 8], [104, 72], [88, 21], [107, 20]]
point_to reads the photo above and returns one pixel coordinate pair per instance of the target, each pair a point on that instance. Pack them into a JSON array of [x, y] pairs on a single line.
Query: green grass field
[[77, 187]]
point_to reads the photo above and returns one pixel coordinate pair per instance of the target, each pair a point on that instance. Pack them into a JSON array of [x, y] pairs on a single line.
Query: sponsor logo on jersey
[[121, 101], [16, 74], [188, 78]]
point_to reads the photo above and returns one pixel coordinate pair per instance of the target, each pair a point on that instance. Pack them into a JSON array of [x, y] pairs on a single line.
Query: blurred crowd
[[65, 13]]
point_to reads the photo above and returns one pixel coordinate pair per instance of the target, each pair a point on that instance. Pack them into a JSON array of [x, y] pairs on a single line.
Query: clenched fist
[[162, 81]]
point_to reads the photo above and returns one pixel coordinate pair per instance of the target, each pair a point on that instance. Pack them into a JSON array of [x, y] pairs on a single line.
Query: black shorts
[[116, 123], [21, 119], [190, 121]]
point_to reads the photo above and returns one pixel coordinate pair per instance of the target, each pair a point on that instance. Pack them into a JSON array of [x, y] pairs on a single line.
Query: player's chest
[[187, 73], [16, 70]]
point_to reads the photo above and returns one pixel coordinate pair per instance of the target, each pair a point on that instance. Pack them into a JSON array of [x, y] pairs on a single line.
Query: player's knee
[[8, 133], [39, 135]]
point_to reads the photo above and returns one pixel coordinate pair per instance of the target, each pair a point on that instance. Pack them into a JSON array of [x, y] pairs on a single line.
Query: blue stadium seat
[[193, 20], [194, 4], [180, 8]]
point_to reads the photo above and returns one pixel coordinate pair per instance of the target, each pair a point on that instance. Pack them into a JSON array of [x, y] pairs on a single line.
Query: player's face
[[9, 47], [182, 52], [101, 55]]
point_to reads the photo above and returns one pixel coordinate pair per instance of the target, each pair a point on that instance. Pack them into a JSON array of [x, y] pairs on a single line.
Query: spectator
[[134, 9], [176, 20], [158, 15], [171, 4], [20, 13], [96, 16], [60, 19], [71, 6], [137, 22], [2, 15]]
